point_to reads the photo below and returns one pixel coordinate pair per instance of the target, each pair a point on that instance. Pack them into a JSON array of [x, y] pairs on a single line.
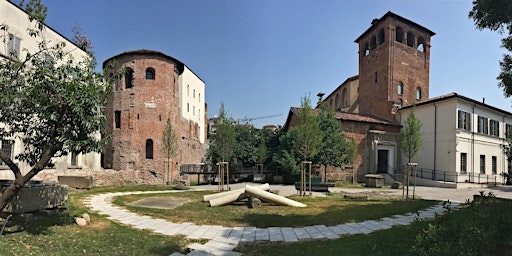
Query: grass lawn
[[57, 235], [332, 210]]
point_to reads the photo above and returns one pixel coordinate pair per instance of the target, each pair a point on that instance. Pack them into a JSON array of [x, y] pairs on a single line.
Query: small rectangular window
[[117, 117], [483, 125], [508, 130], [494, 128], [6, 149], [482, 164], [494, 165], [463, 162], [464, 120], [13, 46], [74, 159]]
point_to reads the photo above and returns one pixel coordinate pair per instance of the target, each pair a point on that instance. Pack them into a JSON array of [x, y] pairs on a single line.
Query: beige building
[[16, 22]]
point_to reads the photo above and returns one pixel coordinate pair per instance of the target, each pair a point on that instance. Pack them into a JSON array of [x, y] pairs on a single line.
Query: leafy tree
[[285, 158], [507, 150], [246, 146], [496, 15], [411, 139], [170, 145], [334, 147], [261, 155], [223, 140], [51, 101], [308, 135]]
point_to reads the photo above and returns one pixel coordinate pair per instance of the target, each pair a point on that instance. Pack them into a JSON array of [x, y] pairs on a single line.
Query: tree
[[51, 101], [411, 139], [308, 135], [507, 150], [261, 155], [223, 139], [334, 147], [496, 15], [170, 145]]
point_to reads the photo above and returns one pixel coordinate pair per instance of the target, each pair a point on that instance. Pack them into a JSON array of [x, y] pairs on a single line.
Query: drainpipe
[[435, 137], [473, 142]]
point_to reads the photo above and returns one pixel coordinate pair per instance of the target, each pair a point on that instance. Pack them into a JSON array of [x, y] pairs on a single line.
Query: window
[[482, 164], [117, 119], [13, 46], [344, 100], [494, 165], [483, 125], [188, 90], [400, 89], [508, 130], [381, 36], [74, 159], [399, 34], [373, 43], [463, 162], [494, 128], [150, 74], [149, 149], [400, 102], [418, 94], [376, 77], [410, 39], [194, 93], [421, 44], [6, 149], [366, 49], [188, 107], [128, 78], [464, 120], [199, 97]]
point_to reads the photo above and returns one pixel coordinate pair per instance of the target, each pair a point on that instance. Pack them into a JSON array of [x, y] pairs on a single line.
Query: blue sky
[[260, 57]]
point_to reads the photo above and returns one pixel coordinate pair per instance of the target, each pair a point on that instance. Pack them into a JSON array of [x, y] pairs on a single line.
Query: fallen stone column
[[272, 198], [207, 198]]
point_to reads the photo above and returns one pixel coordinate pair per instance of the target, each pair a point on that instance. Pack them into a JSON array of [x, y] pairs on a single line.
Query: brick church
[[394, 63]]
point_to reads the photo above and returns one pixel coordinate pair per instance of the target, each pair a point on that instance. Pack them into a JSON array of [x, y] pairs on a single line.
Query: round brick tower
[[145, 96]]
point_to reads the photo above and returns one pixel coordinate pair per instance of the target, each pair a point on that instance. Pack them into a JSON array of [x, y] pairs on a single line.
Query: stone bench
[[80, 182]]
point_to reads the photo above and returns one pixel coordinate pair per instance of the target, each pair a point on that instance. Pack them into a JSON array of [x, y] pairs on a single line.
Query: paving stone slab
[[249, 234], [275, 234], [235, 235], [289, 235], [222, 235], [221, 246], [211, 232], [301, 233], [176, 254], [314, 232], [198, 233], [262, 234], [326, 232]]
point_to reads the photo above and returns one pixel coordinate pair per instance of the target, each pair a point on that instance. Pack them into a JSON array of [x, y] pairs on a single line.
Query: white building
[[17, 37], [192, 102], [462, 140]]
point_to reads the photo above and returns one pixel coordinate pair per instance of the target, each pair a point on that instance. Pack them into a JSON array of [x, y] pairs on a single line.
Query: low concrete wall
[[81, 182], [38, 197]]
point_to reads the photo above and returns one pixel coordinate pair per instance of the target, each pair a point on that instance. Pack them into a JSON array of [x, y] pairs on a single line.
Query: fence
[[455, 177]]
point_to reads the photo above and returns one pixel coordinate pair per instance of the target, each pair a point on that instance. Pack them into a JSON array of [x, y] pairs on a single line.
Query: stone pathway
[[223, 240]]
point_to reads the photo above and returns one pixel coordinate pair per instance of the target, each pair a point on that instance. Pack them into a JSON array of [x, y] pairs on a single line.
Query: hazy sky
[[260, 57]]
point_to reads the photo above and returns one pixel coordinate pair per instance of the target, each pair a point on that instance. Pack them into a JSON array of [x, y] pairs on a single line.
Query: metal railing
[[455, 177]]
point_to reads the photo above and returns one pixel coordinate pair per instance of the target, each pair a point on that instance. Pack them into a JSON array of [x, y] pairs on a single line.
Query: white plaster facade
[[454, 143], [17, 24], [192, 103]]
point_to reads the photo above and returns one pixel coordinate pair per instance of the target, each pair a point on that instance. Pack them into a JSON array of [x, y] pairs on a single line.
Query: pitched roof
[[452, 96], [343, 116], [147, 52], [376, 22]]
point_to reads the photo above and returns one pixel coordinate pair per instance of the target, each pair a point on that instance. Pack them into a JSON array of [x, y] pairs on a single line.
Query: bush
[[480, 228]]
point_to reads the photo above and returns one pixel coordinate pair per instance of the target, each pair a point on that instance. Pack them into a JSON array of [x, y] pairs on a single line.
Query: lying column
[[269, 197], [207, 198]]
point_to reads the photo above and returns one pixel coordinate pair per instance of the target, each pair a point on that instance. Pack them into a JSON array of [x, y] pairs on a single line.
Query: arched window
[[400, 102], [149, 149], [400, 89], [399, 34], [344, 98], [410, 39], [150, 74], [331, 104], [418, 93], [382, 36], [366, 49], [421, 44], [128, 78], [373, 42], [337, 101]]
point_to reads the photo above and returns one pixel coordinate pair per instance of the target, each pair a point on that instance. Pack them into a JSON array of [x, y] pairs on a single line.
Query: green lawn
[[57, 235]]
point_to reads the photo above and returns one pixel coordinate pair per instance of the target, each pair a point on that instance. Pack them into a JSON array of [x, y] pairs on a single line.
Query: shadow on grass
[[332, 214], [38, 224]]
